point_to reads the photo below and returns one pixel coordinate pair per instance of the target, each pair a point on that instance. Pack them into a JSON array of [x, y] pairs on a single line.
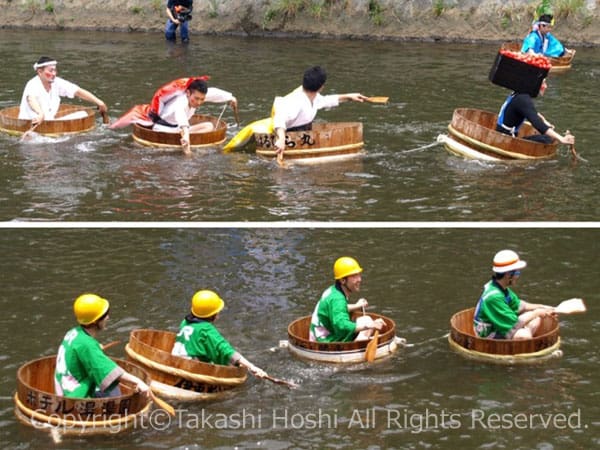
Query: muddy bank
[[577, 21]]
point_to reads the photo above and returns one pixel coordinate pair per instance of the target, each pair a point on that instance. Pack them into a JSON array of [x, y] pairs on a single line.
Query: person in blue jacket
[[541, 41]]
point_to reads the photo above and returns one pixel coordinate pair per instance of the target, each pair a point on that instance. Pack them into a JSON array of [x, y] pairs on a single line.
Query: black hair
[[499, 276], [98, 320], [314, 78], [104, 315], [44, 59], [546, 18], [198, 85], [191, 318]]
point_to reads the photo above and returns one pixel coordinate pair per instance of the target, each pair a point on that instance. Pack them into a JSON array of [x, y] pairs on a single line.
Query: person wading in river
[[500, 314], [82, 368], [199, 339], [41, 96], [179, 13], [331, 320]]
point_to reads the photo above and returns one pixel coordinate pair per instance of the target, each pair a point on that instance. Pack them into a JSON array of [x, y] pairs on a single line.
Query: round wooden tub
[[339, 352], [325, 142], [472, 134], [11, 124], [158, 139], [37, 405], [545, 345], [180, 378]]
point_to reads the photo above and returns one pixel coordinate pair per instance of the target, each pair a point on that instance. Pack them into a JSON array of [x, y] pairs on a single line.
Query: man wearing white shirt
[[41, 96], [175, 114], [297, 110]]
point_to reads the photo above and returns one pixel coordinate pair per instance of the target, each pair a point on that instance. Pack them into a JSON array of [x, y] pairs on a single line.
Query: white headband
[[37, 66]]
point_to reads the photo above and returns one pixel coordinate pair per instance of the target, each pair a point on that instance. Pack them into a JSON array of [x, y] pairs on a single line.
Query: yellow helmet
[[344, 267], [89, 308], [206, 304]]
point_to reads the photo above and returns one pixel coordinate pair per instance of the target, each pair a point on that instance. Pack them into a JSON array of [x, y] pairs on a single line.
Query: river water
[[103, 175], [424, 396]]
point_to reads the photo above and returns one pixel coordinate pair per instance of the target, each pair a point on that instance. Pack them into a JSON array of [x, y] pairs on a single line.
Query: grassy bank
[[577, 21]]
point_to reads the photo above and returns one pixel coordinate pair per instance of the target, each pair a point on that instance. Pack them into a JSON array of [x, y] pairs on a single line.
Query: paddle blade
[[289, 384], [162, 404], [571, 306], [371, 350], [105, 118], [280, 160], [236, 114], [110, 345], [27, 135], [379, 100]]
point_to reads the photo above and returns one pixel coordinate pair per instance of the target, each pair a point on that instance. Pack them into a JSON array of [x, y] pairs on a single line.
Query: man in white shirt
[[297, 110], [175, 114], [41, 96]]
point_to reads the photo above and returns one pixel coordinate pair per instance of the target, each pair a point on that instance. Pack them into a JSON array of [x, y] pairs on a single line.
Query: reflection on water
[[105, 175], [424, 395]]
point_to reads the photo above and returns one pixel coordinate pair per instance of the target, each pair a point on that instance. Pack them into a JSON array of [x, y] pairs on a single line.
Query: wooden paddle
[[280, 160], [221, 115], [162, 404], [289, 384], [105, 118], [110, 344], [187, 148], [571, 146], [571, 306], [25, 135], [236, 114], [371, 350], [378, 100]]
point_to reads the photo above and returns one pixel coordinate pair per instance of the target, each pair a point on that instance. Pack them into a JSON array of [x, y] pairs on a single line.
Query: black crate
[[517, 75]]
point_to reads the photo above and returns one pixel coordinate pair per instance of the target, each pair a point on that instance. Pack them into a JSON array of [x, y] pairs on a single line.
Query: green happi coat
[[497, 311], [82, 368], [331, 321], [201, 340]]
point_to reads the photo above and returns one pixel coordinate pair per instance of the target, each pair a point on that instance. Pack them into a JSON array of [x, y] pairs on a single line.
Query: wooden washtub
[[325, 142], [11, 124], [37, 405], [339, 352], [473, 135], [159, 139], [176, 377], [545, 345]]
